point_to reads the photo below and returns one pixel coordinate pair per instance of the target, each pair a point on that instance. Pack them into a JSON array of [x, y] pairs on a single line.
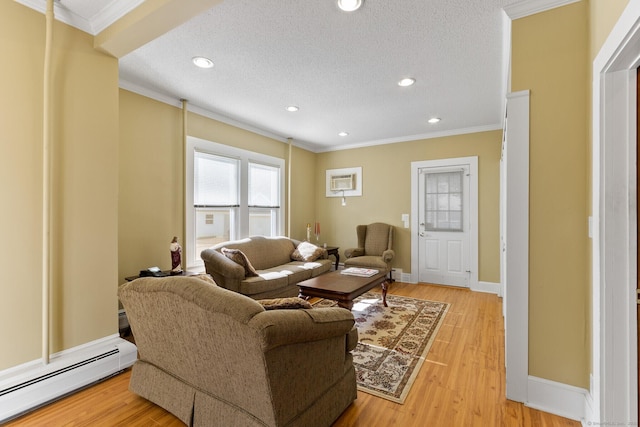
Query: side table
[[333, 250], [167, 272]]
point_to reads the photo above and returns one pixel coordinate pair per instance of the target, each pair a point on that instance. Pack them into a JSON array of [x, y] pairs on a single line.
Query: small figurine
[[176, 256]]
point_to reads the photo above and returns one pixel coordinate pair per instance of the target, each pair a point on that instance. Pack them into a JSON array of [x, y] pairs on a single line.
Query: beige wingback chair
[[212, 356], [375, 243]]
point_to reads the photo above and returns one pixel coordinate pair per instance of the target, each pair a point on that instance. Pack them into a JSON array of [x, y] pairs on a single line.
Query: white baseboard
[[487, 287], [557, 398], [30, 385], [405, 278]]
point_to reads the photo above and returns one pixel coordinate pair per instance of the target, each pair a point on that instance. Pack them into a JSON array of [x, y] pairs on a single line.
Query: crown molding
[[60, 13], [531, 7], [94, 25], [418, 137], [116, 10], [157, 96], [314, 148]]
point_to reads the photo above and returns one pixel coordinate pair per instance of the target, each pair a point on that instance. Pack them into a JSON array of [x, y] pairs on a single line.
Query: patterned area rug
[[393, 341]]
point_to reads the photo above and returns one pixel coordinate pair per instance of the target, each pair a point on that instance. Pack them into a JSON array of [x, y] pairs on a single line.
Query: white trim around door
[[614, 382]]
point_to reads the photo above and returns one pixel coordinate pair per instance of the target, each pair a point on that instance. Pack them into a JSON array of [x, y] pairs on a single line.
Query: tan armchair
[[212, 356], [375, 242]]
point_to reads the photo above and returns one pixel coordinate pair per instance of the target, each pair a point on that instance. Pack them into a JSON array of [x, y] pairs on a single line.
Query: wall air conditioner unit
[[343, 182]]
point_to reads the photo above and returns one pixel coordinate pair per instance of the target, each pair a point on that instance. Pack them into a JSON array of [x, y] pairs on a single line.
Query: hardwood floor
[[462, 382]]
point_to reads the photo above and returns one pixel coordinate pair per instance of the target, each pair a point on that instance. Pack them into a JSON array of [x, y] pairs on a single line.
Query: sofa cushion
[[319, 266], [237, 256], [284, 303], [307, 252]]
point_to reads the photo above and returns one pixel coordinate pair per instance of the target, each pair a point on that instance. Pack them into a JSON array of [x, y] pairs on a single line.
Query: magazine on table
[[357, 271]]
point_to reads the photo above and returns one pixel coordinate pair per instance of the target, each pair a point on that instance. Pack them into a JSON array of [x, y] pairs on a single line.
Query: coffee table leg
[[346, 304], [384, 285]]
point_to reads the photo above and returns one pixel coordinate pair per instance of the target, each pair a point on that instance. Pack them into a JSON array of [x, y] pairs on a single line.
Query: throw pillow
[[307, 252], [284, 303], [237, 256]]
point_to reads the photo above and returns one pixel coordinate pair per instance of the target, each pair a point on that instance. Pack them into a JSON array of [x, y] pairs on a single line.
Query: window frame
[[192, 259]]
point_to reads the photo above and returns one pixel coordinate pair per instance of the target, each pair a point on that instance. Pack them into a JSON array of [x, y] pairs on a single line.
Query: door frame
[[614, 223], [472, 162]]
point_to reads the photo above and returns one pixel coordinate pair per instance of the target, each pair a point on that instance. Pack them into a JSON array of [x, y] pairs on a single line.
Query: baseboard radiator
[[29, 386]]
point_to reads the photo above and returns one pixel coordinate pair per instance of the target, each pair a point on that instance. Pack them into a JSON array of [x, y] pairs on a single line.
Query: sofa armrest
[[388, 255], [353, 252], [284, 327], [225, 272], [352, 339]]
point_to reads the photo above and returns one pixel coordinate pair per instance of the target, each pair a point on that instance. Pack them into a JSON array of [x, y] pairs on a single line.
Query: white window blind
[[215, 181]]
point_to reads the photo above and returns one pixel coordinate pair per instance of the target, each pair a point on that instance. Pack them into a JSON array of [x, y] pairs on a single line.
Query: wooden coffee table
[[342, 288]]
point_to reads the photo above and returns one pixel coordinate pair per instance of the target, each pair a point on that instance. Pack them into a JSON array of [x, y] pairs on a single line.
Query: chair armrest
[[388, 255], [284, 327], [225, 272], [353, 252]]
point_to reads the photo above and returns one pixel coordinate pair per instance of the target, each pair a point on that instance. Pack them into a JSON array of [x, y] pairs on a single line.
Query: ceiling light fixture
[[202, 62], [292, 108], [349, 5], [408, 81], [343, 133], [433, 120]]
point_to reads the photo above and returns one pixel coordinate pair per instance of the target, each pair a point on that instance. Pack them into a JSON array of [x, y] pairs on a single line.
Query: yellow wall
[[386, 183], [150, 204], [151, 187], [550, 57], [151, 177], [303, 185], [603, 15], [84, 222]]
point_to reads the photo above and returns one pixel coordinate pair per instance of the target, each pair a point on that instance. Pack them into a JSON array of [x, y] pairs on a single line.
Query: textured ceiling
[[341, 69]]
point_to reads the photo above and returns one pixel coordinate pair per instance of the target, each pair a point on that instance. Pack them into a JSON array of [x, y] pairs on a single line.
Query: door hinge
[[638, 296]]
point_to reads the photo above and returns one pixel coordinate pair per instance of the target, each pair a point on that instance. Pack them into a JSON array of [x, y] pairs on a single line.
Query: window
[[215, 198], [443, 201], [264, 199], [230, 194]]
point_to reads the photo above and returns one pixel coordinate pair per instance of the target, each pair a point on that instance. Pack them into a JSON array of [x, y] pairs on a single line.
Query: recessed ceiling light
[[292, 108], [406, 82], [343, 133], [349, 5], [202, 62], [434, 120]]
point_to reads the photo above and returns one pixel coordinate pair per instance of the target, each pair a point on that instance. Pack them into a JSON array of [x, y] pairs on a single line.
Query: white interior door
[[444, 225]]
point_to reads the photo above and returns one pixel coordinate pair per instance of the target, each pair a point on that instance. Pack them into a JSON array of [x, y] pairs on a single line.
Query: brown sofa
[[271, 257], [213, 357]]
